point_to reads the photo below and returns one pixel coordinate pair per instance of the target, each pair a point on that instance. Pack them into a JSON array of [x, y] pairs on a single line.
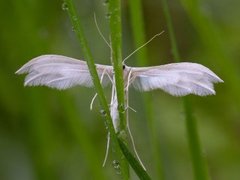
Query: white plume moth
[[177, 79]]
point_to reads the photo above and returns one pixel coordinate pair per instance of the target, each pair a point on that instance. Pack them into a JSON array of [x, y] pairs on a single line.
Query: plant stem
[[80, 34], [199, 166], [114, 10], [142, 174], [116, 56], [194, 143]]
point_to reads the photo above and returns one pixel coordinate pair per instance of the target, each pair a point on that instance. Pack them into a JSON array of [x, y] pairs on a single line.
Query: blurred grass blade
[[81, 135], [171, 31], [142, 174], [137, 26], [194, 143]]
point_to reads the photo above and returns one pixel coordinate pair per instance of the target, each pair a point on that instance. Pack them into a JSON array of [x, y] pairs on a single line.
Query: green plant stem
[[114, 10], [137, 24], [199, 166], [88, 56], [142, 174], [194, 143]]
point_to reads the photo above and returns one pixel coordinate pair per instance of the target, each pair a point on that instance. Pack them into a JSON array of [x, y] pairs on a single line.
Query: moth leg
[[107, 149], [92, 101], [113, 93], [127, 119], [128, 80], [109, 77], [134, 147], [129, 107], [94, 97], [126, 89]]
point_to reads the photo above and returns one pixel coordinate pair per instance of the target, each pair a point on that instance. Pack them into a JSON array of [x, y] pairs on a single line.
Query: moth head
[[123, 66]]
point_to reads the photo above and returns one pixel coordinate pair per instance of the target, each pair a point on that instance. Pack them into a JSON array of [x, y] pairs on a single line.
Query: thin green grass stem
[[114, 11], [199, 166], [142, 174], [200, 169]]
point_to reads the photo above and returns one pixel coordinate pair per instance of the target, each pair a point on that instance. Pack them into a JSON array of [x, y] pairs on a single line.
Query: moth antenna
[[142, 46], [107, 150], [100, 32], [109, 77]]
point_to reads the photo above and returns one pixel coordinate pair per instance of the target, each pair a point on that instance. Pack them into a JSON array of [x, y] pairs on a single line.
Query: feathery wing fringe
[[61, 72], [177, 79]]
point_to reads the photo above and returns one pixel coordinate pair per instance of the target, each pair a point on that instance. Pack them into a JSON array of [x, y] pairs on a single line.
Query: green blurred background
[[50, 134]]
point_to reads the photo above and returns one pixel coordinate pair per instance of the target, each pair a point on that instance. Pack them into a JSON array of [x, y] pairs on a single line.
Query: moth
[[177, 79]]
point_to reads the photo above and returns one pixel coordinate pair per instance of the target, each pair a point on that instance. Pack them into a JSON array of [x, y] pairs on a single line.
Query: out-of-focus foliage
[[49, 134]]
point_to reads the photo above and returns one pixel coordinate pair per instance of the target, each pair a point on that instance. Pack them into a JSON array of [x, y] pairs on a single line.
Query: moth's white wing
[[61, 72], [178, 79]]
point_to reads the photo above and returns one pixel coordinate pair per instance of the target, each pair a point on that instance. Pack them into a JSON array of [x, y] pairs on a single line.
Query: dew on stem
[[64, 6], [116, 166], [106, 2], [108, 15], [103, 112]]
